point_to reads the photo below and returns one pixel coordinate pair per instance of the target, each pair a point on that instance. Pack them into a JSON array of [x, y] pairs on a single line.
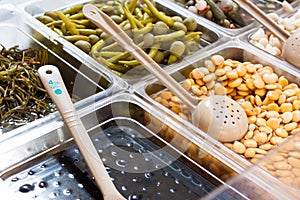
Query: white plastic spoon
[[291, 48], [225, 123], [52, 81]]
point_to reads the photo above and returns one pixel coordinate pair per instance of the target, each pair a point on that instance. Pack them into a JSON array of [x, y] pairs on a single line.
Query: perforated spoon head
[[291, 49], [221, 117]]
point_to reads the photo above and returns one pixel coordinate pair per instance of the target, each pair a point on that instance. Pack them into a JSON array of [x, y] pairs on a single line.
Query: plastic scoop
[[52, 80], [199, 109], [291, 48]]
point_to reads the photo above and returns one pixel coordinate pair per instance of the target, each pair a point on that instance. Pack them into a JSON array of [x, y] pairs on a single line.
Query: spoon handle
[[52, 81], [263, 19], [104, 22]]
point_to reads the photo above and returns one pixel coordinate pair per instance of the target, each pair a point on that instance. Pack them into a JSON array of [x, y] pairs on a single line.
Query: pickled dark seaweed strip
[[22, 95]]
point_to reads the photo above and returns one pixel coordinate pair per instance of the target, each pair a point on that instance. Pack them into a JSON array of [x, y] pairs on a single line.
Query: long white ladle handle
[[263, 19], [52, 81]]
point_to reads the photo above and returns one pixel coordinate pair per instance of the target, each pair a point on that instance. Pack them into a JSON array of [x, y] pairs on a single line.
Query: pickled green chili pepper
[[129, 62], [192, 35], [74, 38], [146, 29], [69, 25], [120, 56], [154, 49], [168, 20], [73, 9], [97, 46], [87, 32], [146, 10], [77, 22], [148, 20], [117, 73], [58, 31], [129, 17], [109, 54], [169, 36], [57, 23], [119, 68], [138, 23], [113, 46], [77, 16], [132, 5], [152, 53]]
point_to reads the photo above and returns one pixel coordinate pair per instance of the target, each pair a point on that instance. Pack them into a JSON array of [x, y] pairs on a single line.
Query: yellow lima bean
[[281, 132], [166, 95], [250, 153], [294, 162], [238, 147], [296, 116], [217, 60], [260, 137], [235, 82], [259, 83], [270, 78], [197, 73], [187, 84], [287, 117], [286, 107], [296, 104], [273, 123], [290, 126], [250, 143], [282, 165], [232, 74]]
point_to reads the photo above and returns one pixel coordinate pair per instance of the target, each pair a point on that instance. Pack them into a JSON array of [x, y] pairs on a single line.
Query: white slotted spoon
[[52, 81], [216, 123], [291, 48]]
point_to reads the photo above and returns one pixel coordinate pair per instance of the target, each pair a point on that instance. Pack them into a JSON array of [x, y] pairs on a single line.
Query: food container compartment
[[252, 184], [265, 40], [242, 52], [84, 84], [130, 74], [284, 164], [127, 132], [281, 174], [234, 24]]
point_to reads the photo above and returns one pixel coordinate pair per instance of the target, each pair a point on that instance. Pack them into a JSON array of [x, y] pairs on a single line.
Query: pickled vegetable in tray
[[166, 38], [23, 97], [224, 12]]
